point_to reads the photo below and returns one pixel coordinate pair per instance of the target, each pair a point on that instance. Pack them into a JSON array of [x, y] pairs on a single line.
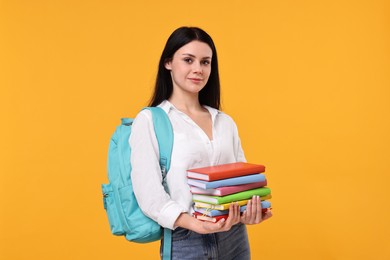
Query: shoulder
[[225, 118], [143, 116], [141, 127], [147, 114]]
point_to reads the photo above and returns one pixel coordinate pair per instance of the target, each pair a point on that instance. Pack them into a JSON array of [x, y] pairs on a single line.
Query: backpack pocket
[[112, 210]]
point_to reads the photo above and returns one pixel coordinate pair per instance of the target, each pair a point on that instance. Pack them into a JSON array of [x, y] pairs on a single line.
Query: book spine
[[234, 181], [243, 195], [211, 213]]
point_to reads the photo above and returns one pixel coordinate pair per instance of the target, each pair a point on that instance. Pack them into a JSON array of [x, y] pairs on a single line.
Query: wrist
[[185, 220]]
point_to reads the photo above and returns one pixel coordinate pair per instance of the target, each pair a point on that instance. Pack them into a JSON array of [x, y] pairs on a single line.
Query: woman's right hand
[[222, 225], [206, 227]]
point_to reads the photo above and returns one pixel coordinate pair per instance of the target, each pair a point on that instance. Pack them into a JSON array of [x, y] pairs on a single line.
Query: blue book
[[213, 213], [227, 182]]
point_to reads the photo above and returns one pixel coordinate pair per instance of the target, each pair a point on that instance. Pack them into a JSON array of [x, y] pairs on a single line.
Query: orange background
[[308, 83]]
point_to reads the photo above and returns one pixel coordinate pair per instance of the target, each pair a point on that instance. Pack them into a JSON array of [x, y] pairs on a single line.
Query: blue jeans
[[232, 244]]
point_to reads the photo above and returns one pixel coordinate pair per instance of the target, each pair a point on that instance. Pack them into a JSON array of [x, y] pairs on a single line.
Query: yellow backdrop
[[308, 83]]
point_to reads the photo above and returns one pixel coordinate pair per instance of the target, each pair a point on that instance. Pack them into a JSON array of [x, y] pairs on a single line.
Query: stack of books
[[214, 188]]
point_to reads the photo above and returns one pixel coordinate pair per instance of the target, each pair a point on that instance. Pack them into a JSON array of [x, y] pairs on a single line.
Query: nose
[[197, 68]]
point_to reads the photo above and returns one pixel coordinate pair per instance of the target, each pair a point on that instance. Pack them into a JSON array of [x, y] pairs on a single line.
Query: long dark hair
[[210, 94]]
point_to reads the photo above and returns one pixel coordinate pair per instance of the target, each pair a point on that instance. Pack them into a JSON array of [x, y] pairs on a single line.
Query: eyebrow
[[191, 55]]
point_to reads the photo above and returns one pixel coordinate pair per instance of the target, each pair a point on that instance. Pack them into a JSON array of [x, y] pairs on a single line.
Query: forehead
[[197, 49]]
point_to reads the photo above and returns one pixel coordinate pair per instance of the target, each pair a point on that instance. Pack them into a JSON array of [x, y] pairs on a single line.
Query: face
[[190, 67]]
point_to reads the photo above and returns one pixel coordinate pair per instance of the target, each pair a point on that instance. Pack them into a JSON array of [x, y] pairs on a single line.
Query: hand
[[223, 225], [253, 213]]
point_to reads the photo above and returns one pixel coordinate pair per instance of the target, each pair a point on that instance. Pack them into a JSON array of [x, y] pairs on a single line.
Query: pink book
[[226, 190]]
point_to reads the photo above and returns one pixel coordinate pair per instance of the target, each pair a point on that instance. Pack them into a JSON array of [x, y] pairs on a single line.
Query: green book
[[244, 195]]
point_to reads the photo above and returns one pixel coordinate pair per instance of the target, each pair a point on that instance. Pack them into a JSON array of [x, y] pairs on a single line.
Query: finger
[[254, 210], [243, 217], [267, 215], [233, 213], [238, 213], [210, 227], [228, 223], [218, 225], [221, 222], [259, 210], [248, 211]]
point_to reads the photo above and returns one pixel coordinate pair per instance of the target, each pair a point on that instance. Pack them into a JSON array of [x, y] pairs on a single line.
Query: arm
[[146, 173], [238, 151]]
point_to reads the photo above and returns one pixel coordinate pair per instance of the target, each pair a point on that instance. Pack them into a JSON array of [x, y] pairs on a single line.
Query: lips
[[195, 79]]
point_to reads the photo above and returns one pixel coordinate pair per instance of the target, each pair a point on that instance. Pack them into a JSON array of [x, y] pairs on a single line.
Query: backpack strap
[[167, 247], [164, 134]]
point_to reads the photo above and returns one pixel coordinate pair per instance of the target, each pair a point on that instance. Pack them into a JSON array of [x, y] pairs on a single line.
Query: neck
[[186, 102]]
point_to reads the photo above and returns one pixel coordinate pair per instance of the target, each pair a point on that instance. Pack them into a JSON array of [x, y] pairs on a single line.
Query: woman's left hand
[[253, 213]]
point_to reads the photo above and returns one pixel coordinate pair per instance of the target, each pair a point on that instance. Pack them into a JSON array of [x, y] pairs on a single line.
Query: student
[[188, 90]]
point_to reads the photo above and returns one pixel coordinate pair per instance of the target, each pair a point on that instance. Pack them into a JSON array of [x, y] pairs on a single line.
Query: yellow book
[[225, 206]]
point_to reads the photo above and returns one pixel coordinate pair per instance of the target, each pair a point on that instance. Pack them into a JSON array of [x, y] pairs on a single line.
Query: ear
[[168, 64]]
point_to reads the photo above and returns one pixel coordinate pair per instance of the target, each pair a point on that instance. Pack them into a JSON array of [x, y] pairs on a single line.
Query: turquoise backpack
[[124, 215]]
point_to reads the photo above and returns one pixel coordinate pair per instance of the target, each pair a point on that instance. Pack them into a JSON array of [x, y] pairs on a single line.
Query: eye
[[188, 60], [206, 62]]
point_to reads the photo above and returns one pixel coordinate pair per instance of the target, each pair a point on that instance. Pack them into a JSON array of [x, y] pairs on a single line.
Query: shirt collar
[[213, 112], [168, 106]]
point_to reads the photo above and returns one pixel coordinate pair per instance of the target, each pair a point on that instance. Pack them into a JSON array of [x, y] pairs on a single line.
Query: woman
[[188, 90]]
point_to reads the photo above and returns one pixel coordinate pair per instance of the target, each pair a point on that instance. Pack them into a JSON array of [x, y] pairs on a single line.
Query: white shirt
[[191, 149]]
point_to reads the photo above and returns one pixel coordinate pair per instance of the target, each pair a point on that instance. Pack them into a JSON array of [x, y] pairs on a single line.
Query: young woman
[[188, 90]]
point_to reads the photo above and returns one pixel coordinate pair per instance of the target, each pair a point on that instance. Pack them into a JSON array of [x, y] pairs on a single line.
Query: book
[[232, 197], [227, 182], [199, 204], [223, 171], [226, 190], [213, 212], [214, 219]]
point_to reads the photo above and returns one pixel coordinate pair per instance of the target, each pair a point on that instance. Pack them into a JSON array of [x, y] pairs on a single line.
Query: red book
[[224, 171], [200, 216]]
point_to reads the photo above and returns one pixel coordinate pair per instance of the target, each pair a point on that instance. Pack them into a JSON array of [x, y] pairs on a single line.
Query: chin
[[195, 90]]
